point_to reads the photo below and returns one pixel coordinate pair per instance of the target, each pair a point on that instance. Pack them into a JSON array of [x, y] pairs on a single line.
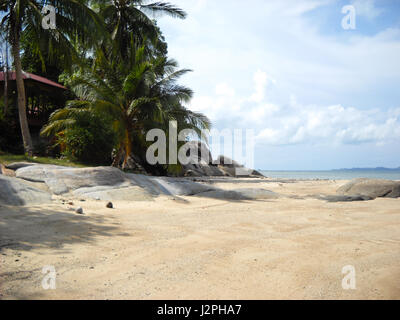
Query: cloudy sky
[[318, 96]]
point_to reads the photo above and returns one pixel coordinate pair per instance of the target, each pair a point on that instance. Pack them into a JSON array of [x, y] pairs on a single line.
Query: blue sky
[[317, 96]]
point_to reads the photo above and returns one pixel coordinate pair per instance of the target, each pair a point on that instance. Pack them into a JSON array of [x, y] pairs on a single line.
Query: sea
[[393, 174]]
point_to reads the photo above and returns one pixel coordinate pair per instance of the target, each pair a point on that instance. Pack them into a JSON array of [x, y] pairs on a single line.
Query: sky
[[317, 96]]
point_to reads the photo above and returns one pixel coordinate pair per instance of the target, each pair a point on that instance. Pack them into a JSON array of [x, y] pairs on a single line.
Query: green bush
[[10, 132], [89, 140]]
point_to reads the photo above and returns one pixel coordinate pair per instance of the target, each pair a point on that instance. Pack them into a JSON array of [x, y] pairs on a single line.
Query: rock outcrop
[[371, 188], [108, 184], [16, 192], [62, 180], [202, 164]]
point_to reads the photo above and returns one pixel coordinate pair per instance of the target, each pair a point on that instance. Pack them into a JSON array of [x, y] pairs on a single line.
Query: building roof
[[34, 77]]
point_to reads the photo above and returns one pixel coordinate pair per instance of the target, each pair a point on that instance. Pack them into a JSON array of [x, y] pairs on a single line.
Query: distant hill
[[369, 169]]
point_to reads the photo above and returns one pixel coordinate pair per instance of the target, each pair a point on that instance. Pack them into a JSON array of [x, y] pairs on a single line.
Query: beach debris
[[79, 210], [109, 205]]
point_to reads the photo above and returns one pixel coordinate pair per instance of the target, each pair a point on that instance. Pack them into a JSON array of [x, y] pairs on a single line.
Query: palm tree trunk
[[117, 160], [6, 83], [23, 120]]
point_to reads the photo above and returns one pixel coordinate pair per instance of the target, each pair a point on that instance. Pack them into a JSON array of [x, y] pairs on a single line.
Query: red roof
[[31, 76]]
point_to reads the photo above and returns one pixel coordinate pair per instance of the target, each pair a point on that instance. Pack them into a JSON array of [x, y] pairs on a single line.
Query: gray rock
[[203, 169], [16, 192], [109, 193], [109, 205], [202, 164], [200, 152], [18, 165], [373, 188], [168, 186], [79, 210], [342, 198], [227, 162], [240, 194], [111, 184], [62, 180]]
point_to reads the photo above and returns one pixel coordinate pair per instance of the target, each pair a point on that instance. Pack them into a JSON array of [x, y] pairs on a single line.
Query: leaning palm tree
[[23, 18], [139, 94]]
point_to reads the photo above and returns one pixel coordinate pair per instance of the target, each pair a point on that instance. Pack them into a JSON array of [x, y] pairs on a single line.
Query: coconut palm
[[128, 20], [23, 18], [139, 94]]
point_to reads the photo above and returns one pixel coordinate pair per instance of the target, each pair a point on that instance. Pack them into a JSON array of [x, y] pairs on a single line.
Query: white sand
[[202, 248]]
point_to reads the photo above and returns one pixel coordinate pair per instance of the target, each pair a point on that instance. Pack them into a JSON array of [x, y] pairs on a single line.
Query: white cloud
[[295, 123], [366, 8], [288, 70], [223, 89], [261, 80]]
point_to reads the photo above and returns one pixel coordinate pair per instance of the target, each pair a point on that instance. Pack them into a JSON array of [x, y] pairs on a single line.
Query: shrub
[[89, 140]]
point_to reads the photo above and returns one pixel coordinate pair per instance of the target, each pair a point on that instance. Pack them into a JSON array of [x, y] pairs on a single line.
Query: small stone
[[71, 203], [110, 205], [79, 210]]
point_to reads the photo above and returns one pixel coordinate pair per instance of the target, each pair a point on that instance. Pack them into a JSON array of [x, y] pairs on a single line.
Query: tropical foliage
[[114, 59]]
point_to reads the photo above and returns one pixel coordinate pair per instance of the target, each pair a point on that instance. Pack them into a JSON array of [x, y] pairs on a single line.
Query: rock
[[227, 162], [111, 184], [6, 172], [202, 169], [372, 188], [16, 192], [17, 165], [109, 193], [79, 210], [109, 205], [240, 194], [62, 180], [202, 164], [169, 186], [191, 173], [200, 152], [342, 198]]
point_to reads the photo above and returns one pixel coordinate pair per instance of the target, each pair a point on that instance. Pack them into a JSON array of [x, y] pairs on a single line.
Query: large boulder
[[107, 183], [169, 186], [16, 192], [202, 164], [107, 193], [240, 194], [62, 180], [371, 188], [18, 165], [203, 169]]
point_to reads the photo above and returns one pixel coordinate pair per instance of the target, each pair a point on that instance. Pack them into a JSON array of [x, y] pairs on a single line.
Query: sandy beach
[[189, 247]]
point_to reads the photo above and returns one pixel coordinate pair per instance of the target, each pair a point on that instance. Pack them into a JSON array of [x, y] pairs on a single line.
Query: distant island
[[368, 169]]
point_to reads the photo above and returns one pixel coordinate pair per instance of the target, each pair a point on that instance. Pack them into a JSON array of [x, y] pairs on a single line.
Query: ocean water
[[333, 174]]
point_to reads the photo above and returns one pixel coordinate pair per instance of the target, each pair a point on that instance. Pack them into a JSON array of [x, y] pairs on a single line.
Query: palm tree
[[139, 94], [127, 21], [23, 18]]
